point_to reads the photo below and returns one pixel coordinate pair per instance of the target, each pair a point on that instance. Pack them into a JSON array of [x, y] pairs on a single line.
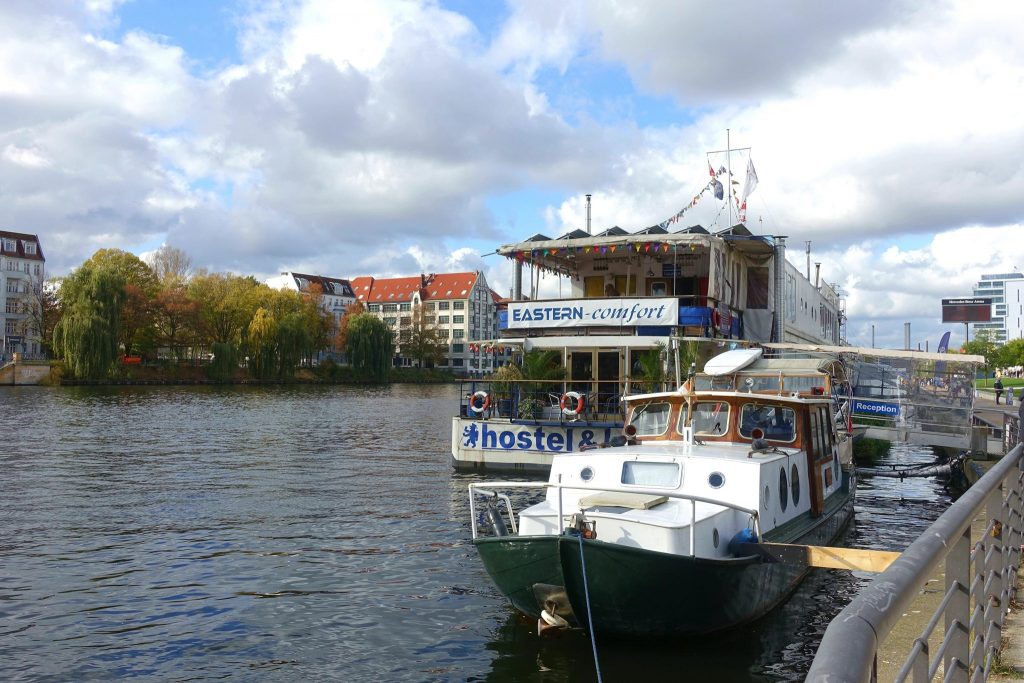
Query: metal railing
[[488, 489], [980, 581]]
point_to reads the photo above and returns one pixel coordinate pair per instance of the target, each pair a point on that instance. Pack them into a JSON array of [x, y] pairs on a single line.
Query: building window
[[405, 307], [458, 319], [11, 326], [442, 320], [390, 321], [458, 348], [373, 308], [430, 306], [405, 321], [459, 305], [10, 245], [458, 362], [390, 308], [458, 334], [442, 305]]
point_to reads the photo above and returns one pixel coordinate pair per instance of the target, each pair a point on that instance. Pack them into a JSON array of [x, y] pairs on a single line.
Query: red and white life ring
[[573, 403], [484, 402]]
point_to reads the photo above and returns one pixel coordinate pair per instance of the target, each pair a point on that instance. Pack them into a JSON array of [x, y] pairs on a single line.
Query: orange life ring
[[485, 402], [578, 403]]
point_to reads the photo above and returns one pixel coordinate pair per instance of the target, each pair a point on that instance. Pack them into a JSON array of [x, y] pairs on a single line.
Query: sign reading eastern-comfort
[[592, 313]]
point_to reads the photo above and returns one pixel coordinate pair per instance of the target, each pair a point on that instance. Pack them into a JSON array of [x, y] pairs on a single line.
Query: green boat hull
[[634, 592]]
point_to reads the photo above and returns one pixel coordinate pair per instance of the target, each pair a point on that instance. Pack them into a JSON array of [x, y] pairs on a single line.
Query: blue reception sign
[[875, 408]]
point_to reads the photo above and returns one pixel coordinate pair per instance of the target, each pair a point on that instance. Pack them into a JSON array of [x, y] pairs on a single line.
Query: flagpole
[[728, 165]]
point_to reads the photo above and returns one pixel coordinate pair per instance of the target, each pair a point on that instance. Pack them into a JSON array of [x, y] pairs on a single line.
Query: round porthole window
[[783, 489], [714, 537], [767, 497], [716, 480], [587, 473], [794, 481]]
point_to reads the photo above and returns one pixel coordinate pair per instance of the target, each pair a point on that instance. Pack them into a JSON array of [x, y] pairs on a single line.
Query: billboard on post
[[969, 310]]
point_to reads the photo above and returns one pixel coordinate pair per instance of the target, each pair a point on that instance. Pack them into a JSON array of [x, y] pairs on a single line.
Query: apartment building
[[460, 306], [994, 286], [22, 273]]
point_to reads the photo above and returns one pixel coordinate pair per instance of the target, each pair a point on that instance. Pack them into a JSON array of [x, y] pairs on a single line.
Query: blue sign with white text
[[875, 408]]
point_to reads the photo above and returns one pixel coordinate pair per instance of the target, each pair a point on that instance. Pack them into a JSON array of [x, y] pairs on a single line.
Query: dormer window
[[30, 247], [10, 245]]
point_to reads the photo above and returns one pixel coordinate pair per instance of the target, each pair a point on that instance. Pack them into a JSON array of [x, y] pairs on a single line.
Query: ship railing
[[977, 541], [489, 489], [541, 400]]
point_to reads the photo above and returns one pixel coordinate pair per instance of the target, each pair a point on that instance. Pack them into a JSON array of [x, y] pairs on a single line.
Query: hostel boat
[[629, 298], [657, 533]]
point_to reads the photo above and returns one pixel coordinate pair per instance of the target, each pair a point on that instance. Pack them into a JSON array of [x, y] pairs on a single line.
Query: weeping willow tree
[[262, 343], [86, 336], [225, 361], [370, 346], [295, 341]]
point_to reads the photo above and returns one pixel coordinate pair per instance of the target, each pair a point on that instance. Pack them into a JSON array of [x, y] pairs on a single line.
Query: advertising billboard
[[970, 310]]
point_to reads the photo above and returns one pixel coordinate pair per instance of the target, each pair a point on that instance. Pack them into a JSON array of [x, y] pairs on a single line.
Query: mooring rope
[[590, 617]]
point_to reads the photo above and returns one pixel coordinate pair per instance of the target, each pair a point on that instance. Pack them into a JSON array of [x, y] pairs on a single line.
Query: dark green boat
[[648, 537]]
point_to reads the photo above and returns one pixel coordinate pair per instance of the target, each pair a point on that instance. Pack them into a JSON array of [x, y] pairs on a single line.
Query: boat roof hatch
[[731, 361]]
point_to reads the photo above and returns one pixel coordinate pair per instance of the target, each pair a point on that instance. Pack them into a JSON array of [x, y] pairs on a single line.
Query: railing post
[[957, 617]]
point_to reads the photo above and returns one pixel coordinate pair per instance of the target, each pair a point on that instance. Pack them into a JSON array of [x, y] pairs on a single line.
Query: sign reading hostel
[[876, 408], [544, 438], [592, 313]]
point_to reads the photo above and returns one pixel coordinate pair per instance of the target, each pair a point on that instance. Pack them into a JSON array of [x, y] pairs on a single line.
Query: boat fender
[[572, 403], [497, 521], [480, 402], [743, 536], [716, 318]]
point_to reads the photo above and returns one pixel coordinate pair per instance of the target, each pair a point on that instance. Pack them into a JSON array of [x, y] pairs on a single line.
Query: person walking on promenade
[[998, 386]]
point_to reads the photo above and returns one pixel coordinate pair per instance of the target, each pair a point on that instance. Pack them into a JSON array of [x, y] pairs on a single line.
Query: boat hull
[[632, 592]]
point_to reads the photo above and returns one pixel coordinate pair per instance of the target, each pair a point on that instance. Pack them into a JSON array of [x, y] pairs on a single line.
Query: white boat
[[656, 535]]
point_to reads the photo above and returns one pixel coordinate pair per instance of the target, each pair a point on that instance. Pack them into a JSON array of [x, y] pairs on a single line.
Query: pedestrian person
[[998, 386]]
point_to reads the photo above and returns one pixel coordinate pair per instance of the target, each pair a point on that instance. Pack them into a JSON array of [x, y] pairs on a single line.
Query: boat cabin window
[[710, 418], [804, 384], [776, 422], [650, 419], [637, 473], [716, 383]]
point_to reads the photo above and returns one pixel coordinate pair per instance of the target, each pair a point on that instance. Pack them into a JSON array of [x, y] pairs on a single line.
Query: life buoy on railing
[[479, 402], [716, 318], [572, 403]]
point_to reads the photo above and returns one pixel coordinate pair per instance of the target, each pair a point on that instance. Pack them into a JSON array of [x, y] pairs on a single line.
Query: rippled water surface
[[309, 533]]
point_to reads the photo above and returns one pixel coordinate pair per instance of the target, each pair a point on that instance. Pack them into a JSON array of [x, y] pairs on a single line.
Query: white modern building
[[22, 273], [997, 286], [1014, 320], [460, 306]]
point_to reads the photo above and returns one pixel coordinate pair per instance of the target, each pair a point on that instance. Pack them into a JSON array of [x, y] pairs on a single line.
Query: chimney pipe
[[906, 336], [817, 275], [588, 214], [808, 243]]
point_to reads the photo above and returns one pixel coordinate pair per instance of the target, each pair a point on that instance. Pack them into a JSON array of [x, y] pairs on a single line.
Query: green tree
[[982, 345], [262, 344], [227, 304], [87, 334], [424, 342], [1010, 354], [135, 332], [371, 345]]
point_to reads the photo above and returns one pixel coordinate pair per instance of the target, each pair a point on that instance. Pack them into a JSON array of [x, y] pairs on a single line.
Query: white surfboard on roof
[[731, 361]]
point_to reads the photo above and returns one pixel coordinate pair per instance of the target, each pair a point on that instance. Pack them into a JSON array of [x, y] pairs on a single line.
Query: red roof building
[[460, 306], [22, 274]]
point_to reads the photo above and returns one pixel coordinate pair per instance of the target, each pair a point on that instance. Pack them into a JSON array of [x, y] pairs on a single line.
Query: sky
[[394, 137]]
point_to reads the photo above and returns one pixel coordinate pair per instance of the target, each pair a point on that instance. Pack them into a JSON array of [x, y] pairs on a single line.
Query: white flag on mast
[[751, 179], [748, 189]]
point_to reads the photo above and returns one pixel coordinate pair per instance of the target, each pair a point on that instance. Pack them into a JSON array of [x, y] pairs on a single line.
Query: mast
[[728, 167]]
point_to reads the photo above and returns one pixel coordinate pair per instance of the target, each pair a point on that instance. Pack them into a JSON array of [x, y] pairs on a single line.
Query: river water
[[310, 533]]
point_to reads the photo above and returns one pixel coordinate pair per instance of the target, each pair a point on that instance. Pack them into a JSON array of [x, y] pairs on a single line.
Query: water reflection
[[307, 532]]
